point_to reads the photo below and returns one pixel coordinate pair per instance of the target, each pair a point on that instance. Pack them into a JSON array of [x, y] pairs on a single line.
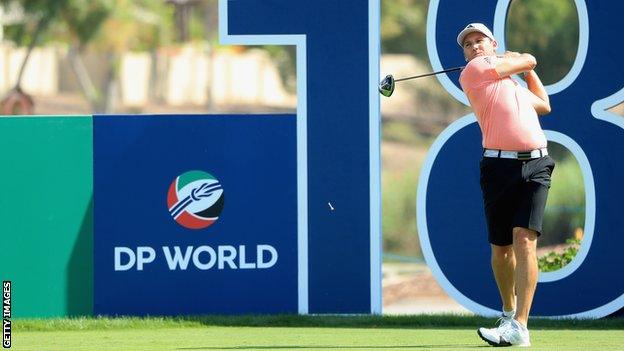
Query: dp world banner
[[195, 214]]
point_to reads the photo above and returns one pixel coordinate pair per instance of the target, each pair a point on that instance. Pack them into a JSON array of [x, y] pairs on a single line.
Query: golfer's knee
[[502, 254], [524, 241]]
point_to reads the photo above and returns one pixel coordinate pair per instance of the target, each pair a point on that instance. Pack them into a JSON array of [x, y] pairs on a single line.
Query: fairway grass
[[300, 333]]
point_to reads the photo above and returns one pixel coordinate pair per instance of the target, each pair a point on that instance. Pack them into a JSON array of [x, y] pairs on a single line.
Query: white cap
[[471, 28]]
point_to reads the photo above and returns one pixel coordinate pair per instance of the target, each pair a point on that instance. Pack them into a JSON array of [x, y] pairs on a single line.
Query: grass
[[290, 332]]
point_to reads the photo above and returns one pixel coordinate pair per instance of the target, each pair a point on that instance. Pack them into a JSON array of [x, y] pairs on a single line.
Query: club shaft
[[430, 74]]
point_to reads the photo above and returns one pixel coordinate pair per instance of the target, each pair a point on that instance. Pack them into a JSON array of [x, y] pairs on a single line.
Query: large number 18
[[337, 141], [450, 216]]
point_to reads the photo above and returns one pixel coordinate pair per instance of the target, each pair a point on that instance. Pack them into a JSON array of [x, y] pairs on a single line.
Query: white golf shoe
[[508, 333]]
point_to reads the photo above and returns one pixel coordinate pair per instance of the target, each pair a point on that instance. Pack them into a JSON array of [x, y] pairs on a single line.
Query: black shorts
[[514, 195]]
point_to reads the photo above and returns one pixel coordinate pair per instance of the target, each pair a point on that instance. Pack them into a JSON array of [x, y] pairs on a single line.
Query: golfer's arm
[[539, 96], [509, 65]]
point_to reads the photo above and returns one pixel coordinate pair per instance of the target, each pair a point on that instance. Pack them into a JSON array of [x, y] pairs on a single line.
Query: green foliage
[[403, 27], [547, 29], [565, 209], [554, 261], [111, 25], [403, 132], [399, 213], [285, 57], [137, 25], [39, 14], [84, 18]]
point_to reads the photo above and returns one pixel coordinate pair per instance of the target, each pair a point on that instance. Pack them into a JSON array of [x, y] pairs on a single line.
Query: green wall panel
[[46, 214]]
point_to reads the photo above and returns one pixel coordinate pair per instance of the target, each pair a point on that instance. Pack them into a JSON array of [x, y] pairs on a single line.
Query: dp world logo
[[195, 199]]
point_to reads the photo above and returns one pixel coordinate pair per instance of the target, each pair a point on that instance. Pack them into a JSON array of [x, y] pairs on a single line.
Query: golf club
[[386, 86]]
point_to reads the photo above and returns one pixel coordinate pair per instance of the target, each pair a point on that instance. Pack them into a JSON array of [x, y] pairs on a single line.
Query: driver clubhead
[[386, 87]]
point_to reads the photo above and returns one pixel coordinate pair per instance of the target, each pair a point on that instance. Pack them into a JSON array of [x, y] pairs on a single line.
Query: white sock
[[522, 327], [509, 314]]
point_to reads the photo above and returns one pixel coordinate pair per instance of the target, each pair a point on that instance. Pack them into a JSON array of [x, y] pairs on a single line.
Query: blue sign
[[337, 45], [451, 223], [267, 213], [195, 215]]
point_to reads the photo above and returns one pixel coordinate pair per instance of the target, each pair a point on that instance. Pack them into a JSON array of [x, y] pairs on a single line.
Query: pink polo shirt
[[503, 108]]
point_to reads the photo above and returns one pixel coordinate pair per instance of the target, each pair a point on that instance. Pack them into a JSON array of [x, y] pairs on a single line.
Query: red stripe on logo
[[193, 222]]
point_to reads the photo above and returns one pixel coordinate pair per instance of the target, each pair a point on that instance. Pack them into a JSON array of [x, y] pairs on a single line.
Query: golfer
[[515, 172]]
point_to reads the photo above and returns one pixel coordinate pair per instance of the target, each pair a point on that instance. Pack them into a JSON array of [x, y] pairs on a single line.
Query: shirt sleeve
[[479, 71]]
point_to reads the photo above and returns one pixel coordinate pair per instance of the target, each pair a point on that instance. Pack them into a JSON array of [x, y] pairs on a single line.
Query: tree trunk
[[40, 27], [111, 86], [84, 80]]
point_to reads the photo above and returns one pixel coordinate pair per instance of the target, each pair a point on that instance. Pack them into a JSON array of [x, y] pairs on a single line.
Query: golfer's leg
[[524, 247], [503, 266]]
